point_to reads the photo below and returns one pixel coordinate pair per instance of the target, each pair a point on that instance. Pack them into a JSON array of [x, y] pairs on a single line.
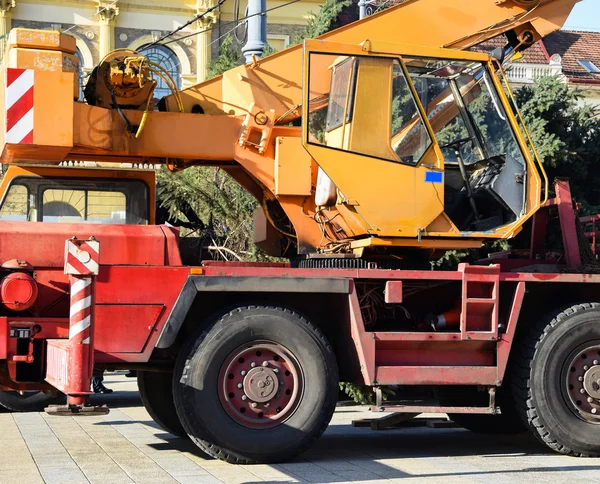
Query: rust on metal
[[410, 409], [17, 264], [506, 340], [260, 384], [582, 383]]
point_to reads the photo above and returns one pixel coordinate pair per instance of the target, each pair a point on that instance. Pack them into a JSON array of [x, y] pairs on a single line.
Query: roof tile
[[571, 45], [533, 55]]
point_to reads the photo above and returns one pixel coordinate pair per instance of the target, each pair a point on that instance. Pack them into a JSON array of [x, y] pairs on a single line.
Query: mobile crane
[[370, 150]]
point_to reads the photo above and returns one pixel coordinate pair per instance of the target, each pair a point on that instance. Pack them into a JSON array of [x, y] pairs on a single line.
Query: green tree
[[228, 58], [225, 208], [566, 133], [324, 20], [268, 50]]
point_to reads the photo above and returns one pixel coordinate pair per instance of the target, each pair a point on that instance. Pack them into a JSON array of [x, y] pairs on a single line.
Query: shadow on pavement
[[344, 445], [120, 398], [362, 455], [182, 445]]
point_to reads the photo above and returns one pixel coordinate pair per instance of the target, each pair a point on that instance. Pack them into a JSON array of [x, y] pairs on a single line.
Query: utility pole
[[362, 9], [257, 29]]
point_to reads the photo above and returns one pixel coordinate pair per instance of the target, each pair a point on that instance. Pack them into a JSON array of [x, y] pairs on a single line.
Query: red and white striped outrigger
[[82, 259]]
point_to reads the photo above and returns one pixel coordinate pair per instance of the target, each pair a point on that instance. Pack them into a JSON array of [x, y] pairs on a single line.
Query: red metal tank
[[18, 291]]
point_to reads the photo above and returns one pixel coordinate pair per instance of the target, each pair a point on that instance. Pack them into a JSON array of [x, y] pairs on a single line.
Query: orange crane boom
[[362, 143]]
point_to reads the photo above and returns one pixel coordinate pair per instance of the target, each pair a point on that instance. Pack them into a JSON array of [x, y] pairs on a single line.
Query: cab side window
[[365, 105]]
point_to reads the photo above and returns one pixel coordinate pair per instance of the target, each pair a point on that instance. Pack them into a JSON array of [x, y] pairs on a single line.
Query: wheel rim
[[260, 384], [583, 383]]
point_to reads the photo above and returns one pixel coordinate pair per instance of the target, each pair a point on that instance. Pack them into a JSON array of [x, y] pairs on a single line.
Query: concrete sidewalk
[[126, 446]]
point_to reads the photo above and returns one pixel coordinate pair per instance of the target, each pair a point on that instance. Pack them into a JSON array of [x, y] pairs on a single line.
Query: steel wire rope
[[236, 20], [209, 29], [103, 9], [183, 26]]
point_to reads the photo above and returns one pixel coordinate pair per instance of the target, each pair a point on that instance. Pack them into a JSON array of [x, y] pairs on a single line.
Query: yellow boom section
[[458, 24], [381, 137]]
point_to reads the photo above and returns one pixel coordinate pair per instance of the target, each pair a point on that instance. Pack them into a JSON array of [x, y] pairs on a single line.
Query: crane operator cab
[[418, 141]]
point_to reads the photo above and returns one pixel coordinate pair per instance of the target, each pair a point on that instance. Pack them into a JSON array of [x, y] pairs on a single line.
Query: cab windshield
[[462, 104], [101, 201], [485, 169]]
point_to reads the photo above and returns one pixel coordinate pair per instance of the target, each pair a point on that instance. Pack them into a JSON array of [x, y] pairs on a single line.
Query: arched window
[[167, 59], [81, 73]]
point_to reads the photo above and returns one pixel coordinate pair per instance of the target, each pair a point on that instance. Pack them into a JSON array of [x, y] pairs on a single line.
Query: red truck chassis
[[148, 309]]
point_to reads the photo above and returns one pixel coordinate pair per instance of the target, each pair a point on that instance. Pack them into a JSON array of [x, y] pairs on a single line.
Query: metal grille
[[167, 59], [354, 263]]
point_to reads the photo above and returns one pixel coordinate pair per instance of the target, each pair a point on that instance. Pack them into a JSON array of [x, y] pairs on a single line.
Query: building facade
[[100, 26], [572, 55]]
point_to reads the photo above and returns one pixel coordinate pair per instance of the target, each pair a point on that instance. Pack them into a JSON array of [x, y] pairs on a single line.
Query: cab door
[[365, 127]]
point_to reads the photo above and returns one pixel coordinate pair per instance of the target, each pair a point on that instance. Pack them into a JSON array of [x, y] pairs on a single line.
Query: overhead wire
[[160, 71], [183, 26], [103, 9], [210, 29], [236, 19], [223, 35]]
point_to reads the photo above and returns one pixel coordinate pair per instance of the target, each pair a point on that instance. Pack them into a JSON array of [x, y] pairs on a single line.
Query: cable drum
[[112, 79]]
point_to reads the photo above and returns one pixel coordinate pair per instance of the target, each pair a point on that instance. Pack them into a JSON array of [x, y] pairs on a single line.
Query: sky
[[585, 16]]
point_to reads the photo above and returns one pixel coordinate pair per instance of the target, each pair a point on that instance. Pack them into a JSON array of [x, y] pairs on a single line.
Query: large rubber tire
[[30, 401], [541, 361], [156, 392], [198, 382], [507, 422]]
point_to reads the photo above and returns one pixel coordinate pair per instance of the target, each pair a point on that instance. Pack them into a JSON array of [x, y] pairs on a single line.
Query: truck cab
[[72, 194], [78, 195]]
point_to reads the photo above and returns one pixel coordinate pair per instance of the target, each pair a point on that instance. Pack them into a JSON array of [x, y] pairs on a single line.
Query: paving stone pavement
[[126, 446]]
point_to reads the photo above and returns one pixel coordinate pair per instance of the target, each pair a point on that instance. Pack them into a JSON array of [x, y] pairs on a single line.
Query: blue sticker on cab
[[434, 177]]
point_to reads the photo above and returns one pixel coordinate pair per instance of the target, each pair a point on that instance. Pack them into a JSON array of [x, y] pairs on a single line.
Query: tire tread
[[522, 367], [214, 450]]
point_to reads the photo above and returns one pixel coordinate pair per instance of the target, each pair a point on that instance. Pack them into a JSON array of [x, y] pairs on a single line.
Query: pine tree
[[566, 133], [228, 58], [323, 21], [224, 207]]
